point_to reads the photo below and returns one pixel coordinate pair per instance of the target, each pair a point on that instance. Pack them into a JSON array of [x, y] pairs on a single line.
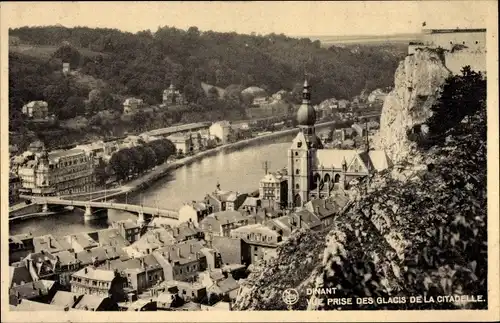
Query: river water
[[238, 170]]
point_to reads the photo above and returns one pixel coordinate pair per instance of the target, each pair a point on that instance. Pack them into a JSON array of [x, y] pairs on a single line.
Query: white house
[[193, 212], [221, 130]]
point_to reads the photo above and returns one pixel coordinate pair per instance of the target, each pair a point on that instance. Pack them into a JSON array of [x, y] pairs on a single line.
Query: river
[[238, 170]]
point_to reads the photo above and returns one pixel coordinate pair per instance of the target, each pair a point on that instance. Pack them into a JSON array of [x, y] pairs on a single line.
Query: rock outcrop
[[417, 82], [418, 229]]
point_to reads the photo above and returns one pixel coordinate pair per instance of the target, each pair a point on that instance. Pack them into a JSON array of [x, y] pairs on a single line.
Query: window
[[297, 186], [299, 144], [297, 171], [296, 153]]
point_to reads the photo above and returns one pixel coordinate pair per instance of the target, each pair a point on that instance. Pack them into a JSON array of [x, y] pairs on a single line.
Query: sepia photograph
[[244, 157]]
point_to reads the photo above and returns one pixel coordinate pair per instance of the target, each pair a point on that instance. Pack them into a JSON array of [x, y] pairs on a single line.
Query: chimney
[[324, 204], [317, 210], [178, 252], [85, 270], [300, 221], [191, 248]]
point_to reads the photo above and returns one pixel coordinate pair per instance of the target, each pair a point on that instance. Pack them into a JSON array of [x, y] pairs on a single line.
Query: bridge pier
[[141, 221], [88, 213], [45, 208]]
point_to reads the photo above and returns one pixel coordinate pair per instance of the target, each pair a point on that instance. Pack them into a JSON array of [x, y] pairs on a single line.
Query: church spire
[[306, 94]]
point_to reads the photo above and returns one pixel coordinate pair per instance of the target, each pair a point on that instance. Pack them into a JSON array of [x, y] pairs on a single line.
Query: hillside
[[145, 63], [419, 229]]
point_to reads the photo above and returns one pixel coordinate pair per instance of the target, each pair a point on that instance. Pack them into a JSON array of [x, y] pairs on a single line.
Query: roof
[[184, 252], [46, 242], [109, 237], [189, 306], [324, 208], [228, 284], [183, 231], [132, 101], [95, 274], [255, 228], [65, 299], [273, 178], [20, 237], [65, 153], [223, 123], [179, 128], [165, 297], [27, 305], [253, 90], [83, 239], [334, 157], [47, 261], [223, 217], [379, 159], [216, 275], [66, 258], [19, 275], [90, 302], [281, 223], [250, 201], [154, 239], [36, 104], [33, 289], [127, 224], [140, 303]]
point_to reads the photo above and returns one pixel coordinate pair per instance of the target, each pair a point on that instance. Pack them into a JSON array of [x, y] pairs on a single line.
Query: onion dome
[[306, 115]]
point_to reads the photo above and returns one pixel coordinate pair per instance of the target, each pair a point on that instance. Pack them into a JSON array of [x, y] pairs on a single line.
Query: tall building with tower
[[315, 172]]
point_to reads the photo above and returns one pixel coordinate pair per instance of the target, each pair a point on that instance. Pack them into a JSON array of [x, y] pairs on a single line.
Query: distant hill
[[327, 41], [145, 63]]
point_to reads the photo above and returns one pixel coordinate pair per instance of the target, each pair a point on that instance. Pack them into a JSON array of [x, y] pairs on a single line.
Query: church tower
[[302, 153]]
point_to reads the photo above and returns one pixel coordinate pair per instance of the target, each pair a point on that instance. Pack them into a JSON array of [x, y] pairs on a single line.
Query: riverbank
[[160, 171], [149, 178]]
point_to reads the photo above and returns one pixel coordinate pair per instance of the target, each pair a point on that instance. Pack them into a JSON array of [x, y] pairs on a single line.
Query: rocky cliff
[[416, 230], [417, 82]]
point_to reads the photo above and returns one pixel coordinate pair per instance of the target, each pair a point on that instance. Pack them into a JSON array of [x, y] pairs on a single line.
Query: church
[[314, 171]]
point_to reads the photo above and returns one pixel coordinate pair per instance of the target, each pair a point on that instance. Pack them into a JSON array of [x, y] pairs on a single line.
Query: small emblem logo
[[290, 296]]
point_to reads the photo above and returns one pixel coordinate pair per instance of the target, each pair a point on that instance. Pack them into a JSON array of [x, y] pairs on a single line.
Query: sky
[[307, 18]]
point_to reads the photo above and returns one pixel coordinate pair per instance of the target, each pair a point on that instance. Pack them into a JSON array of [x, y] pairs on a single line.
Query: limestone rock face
[[417, 82]]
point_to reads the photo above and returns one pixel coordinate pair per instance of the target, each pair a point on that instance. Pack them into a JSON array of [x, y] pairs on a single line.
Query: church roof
[[374, 159], [379, 159], [334, 157]]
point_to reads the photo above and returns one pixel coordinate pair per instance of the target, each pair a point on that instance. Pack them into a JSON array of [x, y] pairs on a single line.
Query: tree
[[120, 164], [101, 173], [462, 95], [68, 54], [212, 97], [75, 106]]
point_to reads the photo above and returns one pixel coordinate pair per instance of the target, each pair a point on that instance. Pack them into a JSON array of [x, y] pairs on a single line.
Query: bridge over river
[[94, 208]]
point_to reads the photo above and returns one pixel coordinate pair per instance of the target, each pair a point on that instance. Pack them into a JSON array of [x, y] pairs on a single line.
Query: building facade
[[172, 96], [132, 105], [36, 110], [273, 191], [461, 47], [60, 172], [98, 282], [221, 130]]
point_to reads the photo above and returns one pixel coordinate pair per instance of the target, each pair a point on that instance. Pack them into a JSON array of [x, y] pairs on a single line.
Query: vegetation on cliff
[[418, 230]]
